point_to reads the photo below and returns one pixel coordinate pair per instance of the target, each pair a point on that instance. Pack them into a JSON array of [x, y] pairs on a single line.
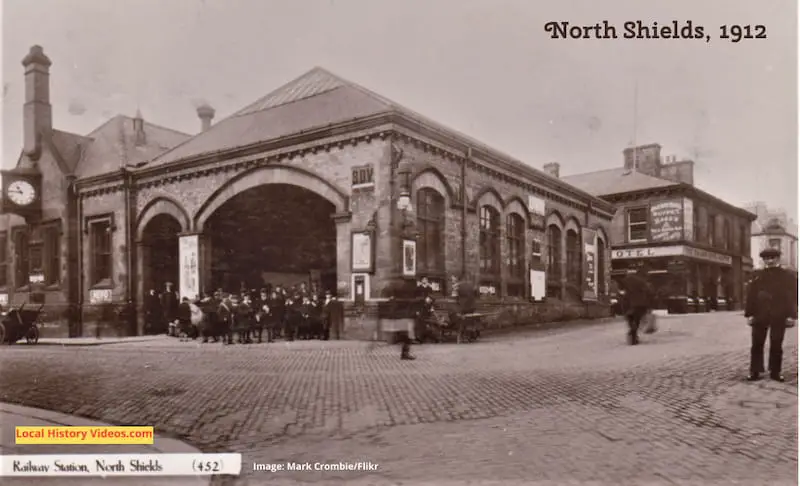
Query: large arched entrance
[[272, 234], [160, 241]]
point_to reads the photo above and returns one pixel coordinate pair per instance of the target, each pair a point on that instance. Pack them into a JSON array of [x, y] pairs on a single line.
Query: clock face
[[21, 193]]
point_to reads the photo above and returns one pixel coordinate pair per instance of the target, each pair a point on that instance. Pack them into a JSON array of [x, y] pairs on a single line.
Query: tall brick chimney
[[552, 169], [206, 114], [37, 115], [644, 158]]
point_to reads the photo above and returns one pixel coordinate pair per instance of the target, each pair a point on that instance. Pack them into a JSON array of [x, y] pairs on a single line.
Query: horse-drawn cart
[[443, 326], [21, 323]]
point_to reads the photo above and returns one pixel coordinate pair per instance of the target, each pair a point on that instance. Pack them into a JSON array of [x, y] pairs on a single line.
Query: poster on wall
[[538, 285], [688, 219], [361, 245], [589, 264], [409, 258], [536, 209], [666, 220], [189, 256]]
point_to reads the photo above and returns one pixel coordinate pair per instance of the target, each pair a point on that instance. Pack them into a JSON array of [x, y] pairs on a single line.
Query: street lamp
[[404, 194]]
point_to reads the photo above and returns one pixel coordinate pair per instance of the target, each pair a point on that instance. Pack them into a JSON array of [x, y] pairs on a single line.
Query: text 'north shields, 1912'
[[639, 29]]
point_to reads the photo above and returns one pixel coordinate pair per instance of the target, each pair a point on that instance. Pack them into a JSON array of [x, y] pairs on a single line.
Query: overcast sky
[[486, 68]]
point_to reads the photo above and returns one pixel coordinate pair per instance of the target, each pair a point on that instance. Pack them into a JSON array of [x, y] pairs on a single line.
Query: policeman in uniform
[[770, 308]]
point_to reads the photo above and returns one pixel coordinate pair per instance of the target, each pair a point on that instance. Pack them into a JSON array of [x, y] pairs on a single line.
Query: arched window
[[490, 247], [430, 223], [553, 261], [574, 262], [515, 237], [601, 267]]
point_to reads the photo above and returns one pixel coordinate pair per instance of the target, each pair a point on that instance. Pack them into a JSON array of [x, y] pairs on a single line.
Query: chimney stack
[[139, 137], [37, 115], [206, 114], [552, 169]]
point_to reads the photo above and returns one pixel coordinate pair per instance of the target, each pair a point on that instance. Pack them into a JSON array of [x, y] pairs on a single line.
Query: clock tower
[[22, 193]]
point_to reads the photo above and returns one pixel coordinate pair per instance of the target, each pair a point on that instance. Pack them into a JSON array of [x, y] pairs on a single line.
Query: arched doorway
[[272, 234], [160, 241]]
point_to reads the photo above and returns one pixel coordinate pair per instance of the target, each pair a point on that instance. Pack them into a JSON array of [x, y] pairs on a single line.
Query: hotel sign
[[677, 250]]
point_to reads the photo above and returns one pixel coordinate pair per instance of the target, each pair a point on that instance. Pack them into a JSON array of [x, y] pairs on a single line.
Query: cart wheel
[[3, 336], [32, 337]]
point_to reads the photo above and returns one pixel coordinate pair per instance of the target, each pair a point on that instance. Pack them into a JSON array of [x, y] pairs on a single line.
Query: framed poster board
[[361, 252], [409, 258]]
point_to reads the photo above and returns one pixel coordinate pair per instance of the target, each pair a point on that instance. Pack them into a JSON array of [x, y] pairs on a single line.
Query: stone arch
[[573, 224], [161, 205], [488, 195], [554, 218], [430, 176], [271, 174], [515, 204], [601, 234]]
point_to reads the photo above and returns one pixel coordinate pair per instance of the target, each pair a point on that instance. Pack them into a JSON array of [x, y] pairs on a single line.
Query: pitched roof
[[615, 181], [112, 145], [69, 147]]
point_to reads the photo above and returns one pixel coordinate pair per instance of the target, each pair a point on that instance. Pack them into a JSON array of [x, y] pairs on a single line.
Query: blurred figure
[[637, 299]]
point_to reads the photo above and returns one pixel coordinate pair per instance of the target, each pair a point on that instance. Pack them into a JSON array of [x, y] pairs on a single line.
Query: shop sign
[[677, 250], [666, 220], [487, 290], [99, 296]]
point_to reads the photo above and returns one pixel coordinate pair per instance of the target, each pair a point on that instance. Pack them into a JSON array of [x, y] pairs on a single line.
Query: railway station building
[[320, 180]]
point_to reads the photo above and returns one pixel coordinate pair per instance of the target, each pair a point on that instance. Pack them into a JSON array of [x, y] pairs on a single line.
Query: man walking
[[637, 301], [770, 308]]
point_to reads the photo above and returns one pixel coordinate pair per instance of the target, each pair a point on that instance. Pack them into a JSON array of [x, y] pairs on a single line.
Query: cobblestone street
[[567, 406]]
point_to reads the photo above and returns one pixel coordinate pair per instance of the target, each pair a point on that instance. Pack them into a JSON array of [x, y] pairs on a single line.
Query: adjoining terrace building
[[694, 246], [321, 180]]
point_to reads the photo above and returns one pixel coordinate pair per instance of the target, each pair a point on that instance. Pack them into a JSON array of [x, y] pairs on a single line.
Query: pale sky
[[486, 68]]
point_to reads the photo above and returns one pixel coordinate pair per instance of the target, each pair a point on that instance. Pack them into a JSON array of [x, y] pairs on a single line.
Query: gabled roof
[[69, 148], [616, 181], [112, 146]]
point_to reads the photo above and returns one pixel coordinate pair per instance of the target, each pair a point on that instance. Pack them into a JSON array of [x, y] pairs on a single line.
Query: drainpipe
[[463, 197], [129, 299], [80, 294]]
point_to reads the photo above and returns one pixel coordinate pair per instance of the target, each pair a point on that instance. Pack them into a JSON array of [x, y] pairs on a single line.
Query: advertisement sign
[[666, 220], [189, 258], [536, 209], [589, 264], [688, 219], [538, 284]]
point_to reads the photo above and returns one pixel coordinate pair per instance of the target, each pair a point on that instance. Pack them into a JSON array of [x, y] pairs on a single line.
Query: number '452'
[[738, 32]]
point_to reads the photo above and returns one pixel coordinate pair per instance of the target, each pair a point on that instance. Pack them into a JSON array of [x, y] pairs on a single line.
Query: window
[[21, 258], [536, 251], [490, 242], [711, 230], [3, 259], [574, 262], [553, 261], [515, 237], [100, 241], [726, 235], [52, 253], [698, 229], [637, 224], [430, 222], [775, 243]]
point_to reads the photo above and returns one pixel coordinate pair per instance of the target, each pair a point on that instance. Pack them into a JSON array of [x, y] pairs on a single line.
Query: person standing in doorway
[[153, 315], [169, 305], [770, 308], [637, 301]]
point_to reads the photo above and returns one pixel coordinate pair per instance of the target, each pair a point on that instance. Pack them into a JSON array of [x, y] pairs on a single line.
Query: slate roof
[[615, 181], [111, 145]]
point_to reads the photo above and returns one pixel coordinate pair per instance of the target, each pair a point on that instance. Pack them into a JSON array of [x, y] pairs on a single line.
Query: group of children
[[294, 313]]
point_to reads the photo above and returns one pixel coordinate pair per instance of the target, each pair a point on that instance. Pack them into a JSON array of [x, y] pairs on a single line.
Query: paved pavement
[[12, 416], [554, 407]]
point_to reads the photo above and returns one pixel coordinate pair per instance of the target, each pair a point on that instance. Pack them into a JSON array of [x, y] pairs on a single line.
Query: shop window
[[21, 257], [3, 260], [515, 237], [430, 242], [637, 224], [554, 261], [489, 244], [100, 247], [574, 263]]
